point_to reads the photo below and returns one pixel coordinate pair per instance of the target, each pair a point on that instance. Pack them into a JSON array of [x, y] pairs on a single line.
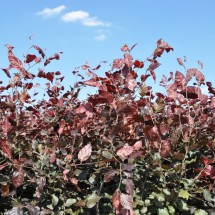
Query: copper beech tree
[[123, 150]]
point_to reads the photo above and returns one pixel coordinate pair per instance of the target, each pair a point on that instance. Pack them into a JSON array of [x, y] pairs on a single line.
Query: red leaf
[[158, 52], [153, 74], [74, 181], [191, 73], [124, 152], [37, 59], [126, 201], [7, 149], [28, 86], [64, 174], [165, 148], [130, 83], [125, 48], [92, 82], [85, 152], [9, 47], [27, 75], [50, 76], [180, 61], [48, 60], [14, 61], [118, 63], [138, 145], [209, 171], [62, 125], [151, 132], [200, 64], [60, 102], [136, 154], [106, 95], [6, 127], [128, 60], [5, 190], [191, 92], [18, 177], [138, 64], [129, 186], [24, 96], [154, 65], [84, 67], [57, 73], [42, 183], [144, 77], [30, 58], [2, 166], [96, 68], [108, 176], [200, 77], [164, 45], [52, 158], [7, 71], [163, 81], [180, 80], [164, 128], [116, 199], [81, 109], [39, 50]]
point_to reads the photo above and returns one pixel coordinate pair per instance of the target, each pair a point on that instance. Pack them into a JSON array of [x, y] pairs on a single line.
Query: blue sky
[[95, 30]]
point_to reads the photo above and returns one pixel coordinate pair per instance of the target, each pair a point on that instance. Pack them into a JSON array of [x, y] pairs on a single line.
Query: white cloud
[[100, 37], [48, 12], [84, 18], [75, 16], [93, 21]]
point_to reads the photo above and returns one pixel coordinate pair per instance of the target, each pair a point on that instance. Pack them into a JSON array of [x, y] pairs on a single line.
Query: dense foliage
[[124, 150]]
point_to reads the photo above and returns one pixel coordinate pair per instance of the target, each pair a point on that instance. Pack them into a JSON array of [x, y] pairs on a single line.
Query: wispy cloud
[[100, 37], [85, 19], [93, 21], [48, 12]]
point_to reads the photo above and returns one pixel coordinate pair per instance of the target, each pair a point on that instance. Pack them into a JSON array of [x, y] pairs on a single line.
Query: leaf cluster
[[123, 150]]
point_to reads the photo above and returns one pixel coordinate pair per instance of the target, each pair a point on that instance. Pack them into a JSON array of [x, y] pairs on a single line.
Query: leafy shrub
[[123, 150]]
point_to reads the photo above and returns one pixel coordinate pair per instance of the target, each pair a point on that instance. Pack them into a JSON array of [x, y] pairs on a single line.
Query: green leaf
[[200, 212], [69, 211], [92, 178], [50, 207], [207, 195], [144, 210], [163, 211], [107, 154], [54, 200], [166, 191], [160, 197], [190, 161], [70, 202], [171, 209], [182, 206], [147, 202], [92, 200], [152, 195], [184, 194]]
